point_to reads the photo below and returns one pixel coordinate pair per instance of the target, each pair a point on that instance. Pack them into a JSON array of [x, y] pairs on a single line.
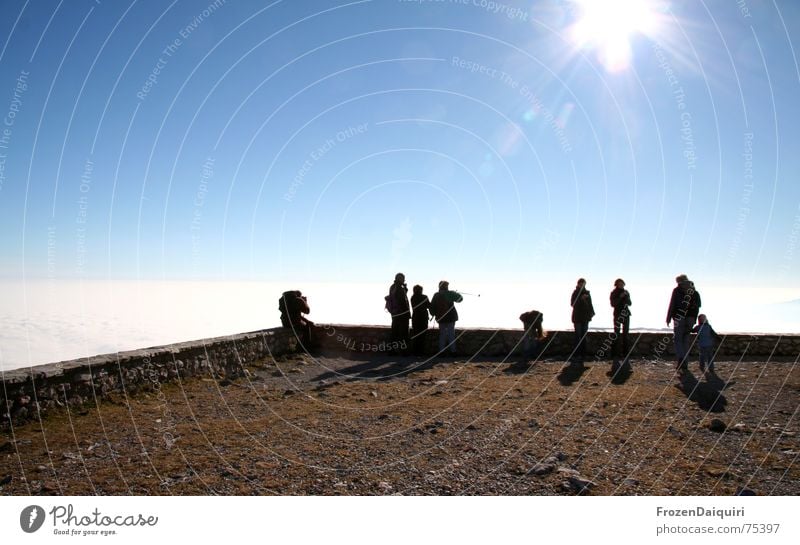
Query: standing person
[[293, 304], [582, 314], [684, 306], [444, 309], [534, 333], [397, 304], [621, 300], [705, 342], [420, 306]]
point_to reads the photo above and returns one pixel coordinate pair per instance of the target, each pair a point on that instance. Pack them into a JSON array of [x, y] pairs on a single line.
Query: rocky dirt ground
[[404, 426]]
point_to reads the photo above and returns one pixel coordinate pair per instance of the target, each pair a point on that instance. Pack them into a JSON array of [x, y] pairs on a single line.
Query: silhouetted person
[[444, 309], [684, 306], [705, 343], [621, 301], [582, 314], [293, 304], [420, 305], [534, 333], [397, 304]]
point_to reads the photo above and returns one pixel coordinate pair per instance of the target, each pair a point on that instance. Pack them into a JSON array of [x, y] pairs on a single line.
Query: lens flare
[[608, 27]]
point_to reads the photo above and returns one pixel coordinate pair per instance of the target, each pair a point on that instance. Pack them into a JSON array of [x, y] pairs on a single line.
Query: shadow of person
[[708, 396], [716, 382], [571, 373], [620, 372], [519, 367], [379, 368]]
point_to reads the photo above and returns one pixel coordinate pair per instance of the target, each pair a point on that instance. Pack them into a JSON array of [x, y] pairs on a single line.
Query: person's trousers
[[681, 328], [447, 336], [622, 324], [706, 358], [400, 331], [419, 331], [530, 347], [581, 330]]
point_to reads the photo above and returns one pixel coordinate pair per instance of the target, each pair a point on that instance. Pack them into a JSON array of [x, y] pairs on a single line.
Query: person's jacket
[[399, 295], [685, 302], [582, 308], [532, 321], [443, 306], [292, 305], [705, 335], [420, 306], [620, 300]]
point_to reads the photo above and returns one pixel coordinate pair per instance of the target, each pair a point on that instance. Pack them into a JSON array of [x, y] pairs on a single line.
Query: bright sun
[[607, 27]]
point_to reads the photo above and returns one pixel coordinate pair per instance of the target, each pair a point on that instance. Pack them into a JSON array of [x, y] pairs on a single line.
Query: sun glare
[[607, 27]]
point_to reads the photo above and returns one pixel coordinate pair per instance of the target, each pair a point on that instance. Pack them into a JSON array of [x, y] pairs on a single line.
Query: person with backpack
[[684, 306], [293, 304], [420, 306], [444, 310], [620, 300], [398, 306], [582, 314]]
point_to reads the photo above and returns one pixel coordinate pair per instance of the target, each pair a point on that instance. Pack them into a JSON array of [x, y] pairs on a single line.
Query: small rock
[[543, 469], [224, 382], [383, 417], [440, 382], [472, 427], [568, 471], [720, 472], [373, 393], [578, 484], [5, 480], [41, 468], [717, 425], [674, 432], [6, 447], [49, 486], [288, 393], [383, 485], [742, 491], [630, 482]]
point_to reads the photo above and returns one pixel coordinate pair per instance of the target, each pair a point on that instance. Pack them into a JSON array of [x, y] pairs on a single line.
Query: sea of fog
[[47, 321]]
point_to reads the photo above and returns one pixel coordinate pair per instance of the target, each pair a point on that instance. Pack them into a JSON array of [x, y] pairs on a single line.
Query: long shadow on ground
[[620, 372], [571, 373], [707, 394], [381, 368]]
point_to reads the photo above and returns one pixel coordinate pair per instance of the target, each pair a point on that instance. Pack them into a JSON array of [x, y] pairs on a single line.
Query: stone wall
[[503, 342], [30, 392]]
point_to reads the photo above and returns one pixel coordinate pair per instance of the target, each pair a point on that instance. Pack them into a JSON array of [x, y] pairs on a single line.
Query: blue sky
[[333, 141]]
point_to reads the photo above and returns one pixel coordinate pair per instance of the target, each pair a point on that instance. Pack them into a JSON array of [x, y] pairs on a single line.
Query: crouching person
[[533, 334]]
